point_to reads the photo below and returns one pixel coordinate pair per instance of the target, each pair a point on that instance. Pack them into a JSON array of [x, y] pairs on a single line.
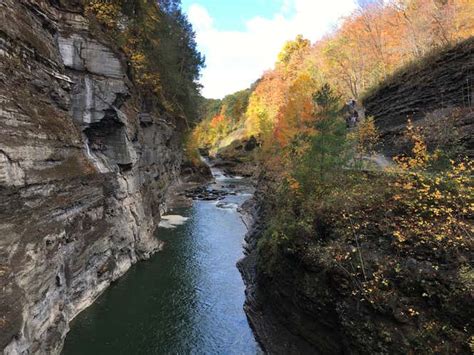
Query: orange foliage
[[370, 44], [281, 101], [374, 42], [217, 120]]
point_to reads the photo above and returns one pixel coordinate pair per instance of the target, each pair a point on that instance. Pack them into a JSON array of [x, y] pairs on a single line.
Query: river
[[188, 299]]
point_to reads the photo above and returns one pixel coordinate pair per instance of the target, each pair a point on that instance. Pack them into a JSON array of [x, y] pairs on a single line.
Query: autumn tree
[[292, 48], [160, 44]]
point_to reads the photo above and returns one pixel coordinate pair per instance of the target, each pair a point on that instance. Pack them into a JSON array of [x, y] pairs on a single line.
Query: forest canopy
[[160, 45], [369, 46]]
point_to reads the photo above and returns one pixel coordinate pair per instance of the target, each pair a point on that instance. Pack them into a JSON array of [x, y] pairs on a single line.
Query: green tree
[[327, 153]]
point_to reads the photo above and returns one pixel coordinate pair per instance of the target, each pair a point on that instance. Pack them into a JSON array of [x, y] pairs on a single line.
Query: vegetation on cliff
[[395, 245], [160, 45]]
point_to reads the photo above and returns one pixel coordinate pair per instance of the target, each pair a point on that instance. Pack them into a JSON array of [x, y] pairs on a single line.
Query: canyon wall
[[436, 91], [83, 171]]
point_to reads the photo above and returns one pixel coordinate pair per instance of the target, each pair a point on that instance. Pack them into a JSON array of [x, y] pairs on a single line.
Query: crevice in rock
[[108, 137]]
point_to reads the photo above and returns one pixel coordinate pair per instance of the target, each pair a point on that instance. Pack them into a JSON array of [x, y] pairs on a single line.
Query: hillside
[[372, 45], [440, 87]]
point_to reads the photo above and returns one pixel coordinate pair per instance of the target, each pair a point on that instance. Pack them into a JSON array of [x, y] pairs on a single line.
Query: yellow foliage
[[291, 48], [437, 205], [106, 13], [366, 136], [191, 146], [420, 157]]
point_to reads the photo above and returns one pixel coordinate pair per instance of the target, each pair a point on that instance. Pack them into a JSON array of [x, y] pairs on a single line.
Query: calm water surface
[[187, 299]]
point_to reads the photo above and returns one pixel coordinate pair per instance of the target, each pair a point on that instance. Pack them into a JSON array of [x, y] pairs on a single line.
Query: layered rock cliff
[[437, 91], [83, 171]]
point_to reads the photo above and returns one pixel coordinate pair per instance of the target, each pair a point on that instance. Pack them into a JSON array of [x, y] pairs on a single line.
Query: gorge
[[326, 209], [187, 297]]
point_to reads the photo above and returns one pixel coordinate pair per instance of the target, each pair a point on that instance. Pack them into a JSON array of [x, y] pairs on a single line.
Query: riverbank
[[270, 328], [331, 292], [187, 298]]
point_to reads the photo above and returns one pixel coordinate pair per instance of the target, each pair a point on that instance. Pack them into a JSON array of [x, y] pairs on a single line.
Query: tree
[[291, 48], [328, 150], [161, 47]]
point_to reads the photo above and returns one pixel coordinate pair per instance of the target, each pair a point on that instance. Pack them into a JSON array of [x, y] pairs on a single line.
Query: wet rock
[[206, 193], [227, 205], [196, 172]]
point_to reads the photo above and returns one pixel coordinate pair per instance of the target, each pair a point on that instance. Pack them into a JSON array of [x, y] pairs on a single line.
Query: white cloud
[[235, 59]]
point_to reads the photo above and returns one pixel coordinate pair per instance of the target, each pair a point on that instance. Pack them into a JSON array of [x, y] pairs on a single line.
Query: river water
[[188, 299]]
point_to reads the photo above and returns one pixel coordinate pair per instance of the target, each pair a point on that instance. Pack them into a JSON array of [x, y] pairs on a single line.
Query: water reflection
[[186, 300]]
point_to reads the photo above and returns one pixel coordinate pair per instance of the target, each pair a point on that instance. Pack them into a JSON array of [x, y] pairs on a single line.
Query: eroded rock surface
[[438, 91], [82, 178]]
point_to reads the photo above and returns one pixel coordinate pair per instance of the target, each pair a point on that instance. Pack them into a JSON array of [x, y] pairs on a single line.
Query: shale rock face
[[82, 175], [425, 92]]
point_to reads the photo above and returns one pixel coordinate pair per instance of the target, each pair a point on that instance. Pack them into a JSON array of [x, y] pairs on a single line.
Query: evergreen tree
[[328, 151]]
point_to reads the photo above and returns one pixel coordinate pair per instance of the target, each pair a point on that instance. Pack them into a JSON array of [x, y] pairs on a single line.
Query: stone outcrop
[[238, 157], [83, 171], [274, 308], [425, 92]]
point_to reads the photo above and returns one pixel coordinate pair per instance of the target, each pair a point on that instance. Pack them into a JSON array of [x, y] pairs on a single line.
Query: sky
[[242, 38]]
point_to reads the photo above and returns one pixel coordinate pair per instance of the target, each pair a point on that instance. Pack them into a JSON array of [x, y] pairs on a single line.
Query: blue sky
[[232, 15], [241, 38]]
